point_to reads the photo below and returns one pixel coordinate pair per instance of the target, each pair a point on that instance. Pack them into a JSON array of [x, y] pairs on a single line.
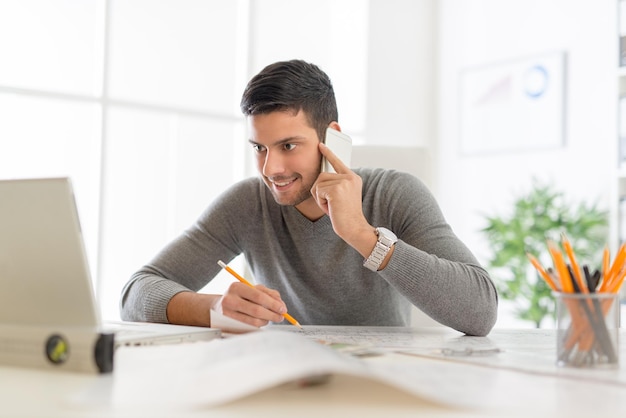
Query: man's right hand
[[256, 306]]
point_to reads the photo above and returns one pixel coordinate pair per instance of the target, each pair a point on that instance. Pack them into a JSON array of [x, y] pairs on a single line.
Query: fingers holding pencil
[[255, 306], [253, 302]]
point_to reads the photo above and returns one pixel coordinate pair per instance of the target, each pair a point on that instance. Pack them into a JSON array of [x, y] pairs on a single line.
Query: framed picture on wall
[[513, 105]]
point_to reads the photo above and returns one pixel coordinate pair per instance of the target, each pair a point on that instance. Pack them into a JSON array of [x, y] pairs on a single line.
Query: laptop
[[48, 312]]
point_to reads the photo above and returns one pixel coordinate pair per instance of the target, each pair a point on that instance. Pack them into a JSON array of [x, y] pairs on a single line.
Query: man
[[319, 244]]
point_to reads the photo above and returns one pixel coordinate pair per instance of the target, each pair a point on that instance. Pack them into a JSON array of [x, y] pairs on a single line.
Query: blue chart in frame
[[513, 106]]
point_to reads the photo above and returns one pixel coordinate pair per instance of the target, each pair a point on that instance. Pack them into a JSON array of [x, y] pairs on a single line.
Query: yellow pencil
[[244, 281]]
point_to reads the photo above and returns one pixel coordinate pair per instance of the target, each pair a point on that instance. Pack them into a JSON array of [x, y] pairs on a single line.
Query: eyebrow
[[282, 141]]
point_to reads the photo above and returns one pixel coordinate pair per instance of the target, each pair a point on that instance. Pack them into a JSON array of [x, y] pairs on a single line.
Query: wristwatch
[[385, 241]]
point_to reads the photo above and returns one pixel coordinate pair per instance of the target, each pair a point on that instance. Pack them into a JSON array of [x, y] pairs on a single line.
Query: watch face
[[384, 232]]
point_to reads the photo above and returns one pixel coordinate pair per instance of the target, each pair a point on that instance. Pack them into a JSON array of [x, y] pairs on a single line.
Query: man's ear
[[335, 126]]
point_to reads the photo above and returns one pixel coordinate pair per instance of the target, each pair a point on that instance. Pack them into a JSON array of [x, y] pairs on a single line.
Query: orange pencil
[[561, 268], [615, 269], [578, 320], [542, 272], [575, 267], [244, 281], [616, 284]]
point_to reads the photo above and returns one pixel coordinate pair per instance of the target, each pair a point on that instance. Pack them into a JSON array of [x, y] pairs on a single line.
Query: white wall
[[402, 70], [478, 32], [330, 34], [395, 65]]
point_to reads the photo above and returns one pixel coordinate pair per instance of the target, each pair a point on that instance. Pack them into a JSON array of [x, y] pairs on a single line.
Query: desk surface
[[518, 380]]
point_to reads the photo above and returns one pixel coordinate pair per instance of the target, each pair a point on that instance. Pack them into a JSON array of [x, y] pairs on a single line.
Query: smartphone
[[341, 145]]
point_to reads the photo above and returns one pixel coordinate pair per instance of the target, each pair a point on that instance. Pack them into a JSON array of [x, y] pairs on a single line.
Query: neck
[[310, 210]]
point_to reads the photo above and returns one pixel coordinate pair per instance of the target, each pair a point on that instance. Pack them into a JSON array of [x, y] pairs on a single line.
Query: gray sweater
[[320, 278]]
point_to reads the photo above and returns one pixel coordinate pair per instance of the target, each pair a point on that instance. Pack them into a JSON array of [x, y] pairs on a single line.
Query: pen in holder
[[587, 306]]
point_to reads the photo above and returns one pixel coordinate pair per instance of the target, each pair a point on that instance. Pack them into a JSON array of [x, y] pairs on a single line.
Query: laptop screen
[[44, 275]]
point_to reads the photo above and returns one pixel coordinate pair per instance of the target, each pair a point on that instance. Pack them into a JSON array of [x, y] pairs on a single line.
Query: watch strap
[[386, 239]]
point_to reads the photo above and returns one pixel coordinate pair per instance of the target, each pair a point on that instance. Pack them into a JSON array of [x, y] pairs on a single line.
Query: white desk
[[521, 381]]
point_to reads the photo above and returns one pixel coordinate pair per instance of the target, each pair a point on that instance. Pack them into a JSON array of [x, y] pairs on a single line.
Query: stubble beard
[[303, 194]]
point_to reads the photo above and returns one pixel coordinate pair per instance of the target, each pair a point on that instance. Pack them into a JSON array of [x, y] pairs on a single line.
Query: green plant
[[540, 215]]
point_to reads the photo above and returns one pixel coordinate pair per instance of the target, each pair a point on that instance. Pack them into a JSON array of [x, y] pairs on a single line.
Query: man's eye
[[289, 147], [258, 148]]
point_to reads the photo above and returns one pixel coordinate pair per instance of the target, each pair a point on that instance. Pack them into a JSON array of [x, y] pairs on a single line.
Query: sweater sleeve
[[189, 262], [430, 265]]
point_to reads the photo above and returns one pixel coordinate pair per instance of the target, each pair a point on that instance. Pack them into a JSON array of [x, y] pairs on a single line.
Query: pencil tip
[[221, 263]]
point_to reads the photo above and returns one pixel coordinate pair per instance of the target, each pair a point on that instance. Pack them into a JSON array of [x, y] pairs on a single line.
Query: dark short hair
[[292, 86]]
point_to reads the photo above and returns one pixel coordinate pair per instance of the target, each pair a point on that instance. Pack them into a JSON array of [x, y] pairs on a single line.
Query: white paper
[[204, 374], [229, 325], [529, 351], [192, 375]]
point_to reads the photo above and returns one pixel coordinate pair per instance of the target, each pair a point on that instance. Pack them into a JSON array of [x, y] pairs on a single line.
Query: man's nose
[[273, 165]]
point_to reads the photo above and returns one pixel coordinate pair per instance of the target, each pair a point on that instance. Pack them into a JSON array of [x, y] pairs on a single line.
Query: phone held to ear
[[341, 145]]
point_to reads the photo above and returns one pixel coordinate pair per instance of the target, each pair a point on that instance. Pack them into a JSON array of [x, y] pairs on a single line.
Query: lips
[[282, 183]]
